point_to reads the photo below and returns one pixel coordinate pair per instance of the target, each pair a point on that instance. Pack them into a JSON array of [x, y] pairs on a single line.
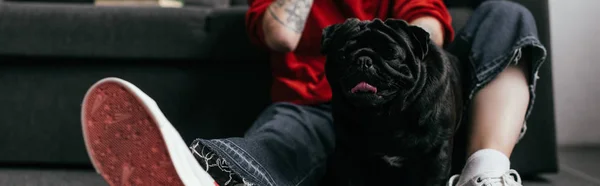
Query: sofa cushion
[[227, 34], [239, 2], [35, 29], [208, 3], [460, 16], [125, 32]]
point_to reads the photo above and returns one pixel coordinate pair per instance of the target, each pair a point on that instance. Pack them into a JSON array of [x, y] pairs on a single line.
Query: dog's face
[[371, 63]]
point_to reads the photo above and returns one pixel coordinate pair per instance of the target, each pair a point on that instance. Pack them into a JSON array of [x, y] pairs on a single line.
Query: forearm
[[284, 22], [433, 26]]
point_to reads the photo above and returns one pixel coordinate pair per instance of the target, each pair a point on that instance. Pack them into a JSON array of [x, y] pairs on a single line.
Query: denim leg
[[287, 145], [497, 35]]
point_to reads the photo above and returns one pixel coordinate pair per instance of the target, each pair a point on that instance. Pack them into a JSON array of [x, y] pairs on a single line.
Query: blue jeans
[[289, 144]]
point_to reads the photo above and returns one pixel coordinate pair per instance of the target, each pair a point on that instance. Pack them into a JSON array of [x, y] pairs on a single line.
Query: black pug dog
[[396, 102]]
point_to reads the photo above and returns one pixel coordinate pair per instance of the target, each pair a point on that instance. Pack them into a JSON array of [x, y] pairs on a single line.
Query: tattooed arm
[[284, 22]]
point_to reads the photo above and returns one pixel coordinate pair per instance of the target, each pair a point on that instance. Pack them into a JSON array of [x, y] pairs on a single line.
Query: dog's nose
[[365, 61]]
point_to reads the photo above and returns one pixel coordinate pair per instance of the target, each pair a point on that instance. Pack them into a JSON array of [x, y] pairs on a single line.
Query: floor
[[579, 166]]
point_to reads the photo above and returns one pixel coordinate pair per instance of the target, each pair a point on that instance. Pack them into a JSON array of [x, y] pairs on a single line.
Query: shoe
[[131, 142], [509, 178]]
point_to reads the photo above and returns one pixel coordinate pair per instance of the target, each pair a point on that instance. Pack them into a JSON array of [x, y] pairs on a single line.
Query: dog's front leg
[[440, 164], [345, 169]]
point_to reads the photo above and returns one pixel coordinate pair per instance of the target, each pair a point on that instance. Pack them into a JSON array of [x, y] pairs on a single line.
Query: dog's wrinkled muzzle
[[364, 62]]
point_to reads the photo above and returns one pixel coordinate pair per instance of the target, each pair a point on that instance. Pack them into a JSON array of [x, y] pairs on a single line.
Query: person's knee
[[503, 8]]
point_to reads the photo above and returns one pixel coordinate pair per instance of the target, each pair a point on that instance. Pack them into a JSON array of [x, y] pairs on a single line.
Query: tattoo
[[279, 3], [294, 11]]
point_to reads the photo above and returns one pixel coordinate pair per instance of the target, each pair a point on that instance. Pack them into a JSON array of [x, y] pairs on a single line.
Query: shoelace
[[509, 178]]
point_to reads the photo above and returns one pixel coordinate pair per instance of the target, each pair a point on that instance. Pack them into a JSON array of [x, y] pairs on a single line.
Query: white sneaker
[[509, 178], [131, 142]]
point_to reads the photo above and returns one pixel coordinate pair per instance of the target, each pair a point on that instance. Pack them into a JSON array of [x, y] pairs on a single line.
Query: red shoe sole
[[123, 140]]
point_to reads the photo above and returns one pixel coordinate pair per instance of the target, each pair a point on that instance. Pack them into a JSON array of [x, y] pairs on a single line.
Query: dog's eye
[[342, 57], [394, 52], [391, 50]]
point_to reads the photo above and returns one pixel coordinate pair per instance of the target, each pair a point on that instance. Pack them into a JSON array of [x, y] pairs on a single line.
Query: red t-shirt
[[299, 76]]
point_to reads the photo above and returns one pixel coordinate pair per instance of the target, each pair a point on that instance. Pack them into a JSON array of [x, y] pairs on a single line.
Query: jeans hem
[[237, 155], [502, 62]]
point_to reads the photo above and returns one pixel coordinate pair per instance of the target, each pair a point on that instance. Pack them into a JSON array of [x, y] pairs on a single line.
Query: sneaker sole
[[130, 141]]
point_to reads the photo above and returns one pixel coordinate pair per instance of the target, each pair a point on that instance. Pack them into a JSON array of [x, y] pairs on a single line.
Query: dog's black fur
[[402, 134]]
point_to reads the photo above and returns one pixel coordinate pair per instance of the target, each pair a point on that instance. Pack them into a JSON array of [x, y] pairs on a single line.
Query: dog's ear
[[418, 36], [328, 37], [334, 32], [420, 40]]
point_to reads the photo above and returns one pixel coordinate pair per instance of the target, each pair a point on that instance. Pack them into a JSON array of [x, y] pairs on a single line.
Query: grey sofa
[[51, 52]]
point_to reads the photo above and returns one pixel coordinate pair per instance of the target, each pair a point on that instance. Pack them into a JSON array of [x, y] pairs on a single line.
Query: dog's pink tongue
[[364, 87]]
